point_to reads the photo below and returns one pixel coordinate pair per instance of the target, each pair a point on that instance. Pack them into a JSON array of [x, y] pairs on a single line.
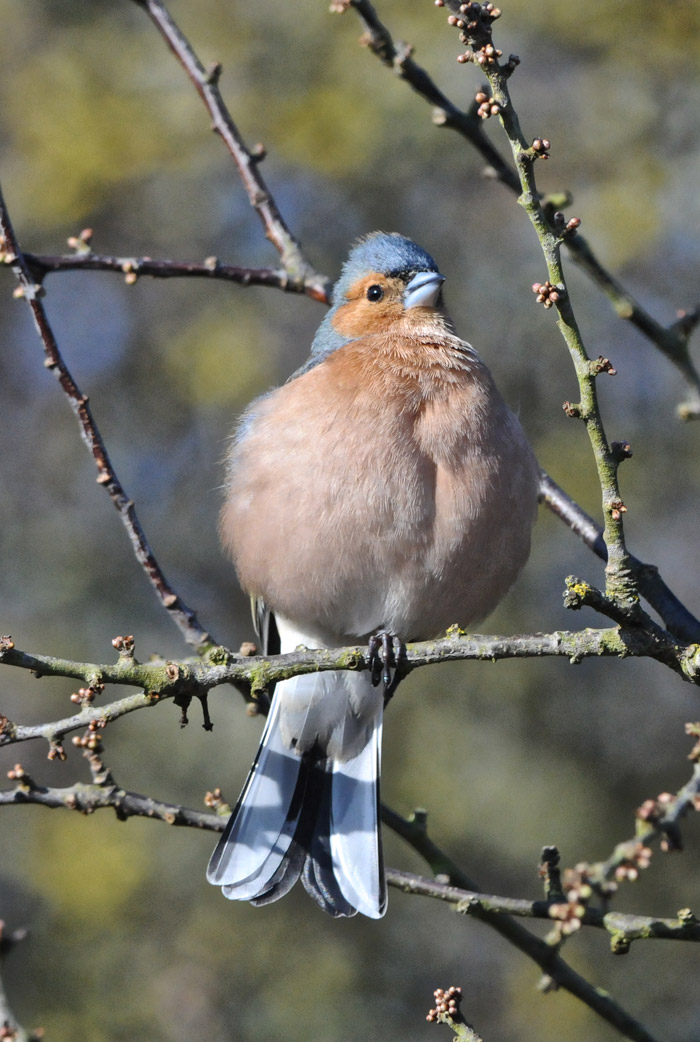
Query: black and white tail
[[310, 806]]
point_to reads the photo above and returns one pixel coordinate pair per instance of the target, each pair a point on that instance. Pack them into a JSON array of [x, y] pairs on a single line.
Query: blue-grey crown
[[389, 253]]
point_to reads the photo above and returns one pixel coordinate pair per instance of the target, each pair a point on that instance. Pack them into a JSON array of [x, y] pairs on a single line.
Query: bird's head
[[384, 278]]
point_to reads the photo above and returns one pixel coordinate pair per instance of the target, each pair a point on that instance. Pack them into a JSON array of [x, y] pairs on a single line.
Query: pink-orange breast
[[388, 486]]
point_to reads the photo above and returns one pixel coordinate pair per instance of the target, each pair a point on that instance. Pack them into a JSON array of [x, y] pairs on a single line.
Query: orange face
[[374, 304]]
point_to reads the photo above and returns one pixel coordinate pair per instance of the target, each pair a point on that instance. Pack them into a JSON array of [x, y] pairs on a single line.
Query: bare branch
[[633, 635], [206, 83], [655, 819], [469, 902], [679, 622], [399, 57], [256, 675], [87, 798], [55, 731], [557, 972], [477, 34], [673, 340], [223, 666], [451, 885], [135, 267], [183, 616]]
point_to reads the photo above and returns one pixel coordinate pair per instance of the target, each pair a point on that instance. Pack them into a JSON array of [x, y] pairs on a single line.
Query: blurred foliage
[[115, 871], [99, 127]]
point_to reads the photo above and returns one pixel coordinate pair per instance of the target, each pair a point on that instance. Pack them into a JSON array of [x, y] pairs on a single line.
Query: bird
[[385, 489]]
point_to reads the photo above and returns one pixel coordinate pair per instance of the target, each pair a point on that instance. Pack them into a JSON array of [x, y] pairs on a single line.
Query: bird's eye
[[375, 293]]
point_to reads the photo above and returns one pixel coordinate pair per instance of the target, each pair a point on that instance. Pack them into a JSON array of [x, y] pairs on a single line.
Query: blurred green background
[[99, 127]]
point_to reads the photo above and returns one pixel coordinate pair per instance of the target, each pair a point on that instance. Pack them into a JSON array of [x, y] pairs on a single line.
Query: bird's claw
[[385, 653]]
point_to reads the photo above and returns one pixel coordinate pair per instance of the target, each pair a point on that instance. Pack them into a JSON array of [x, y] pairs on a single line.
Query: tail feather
[[302, 815], [320, 876], [308, 855], [284, 878], [355, 832], [262, 825]]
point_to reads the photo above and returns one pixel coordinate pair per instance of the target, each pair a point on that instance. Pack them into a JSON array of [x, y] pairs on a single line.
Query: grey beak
[[423, 290]]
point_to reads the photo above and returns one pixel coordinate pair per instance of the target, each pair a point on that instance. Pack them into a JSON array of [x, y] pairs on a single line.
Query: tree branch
[[399, 57], [476, 32], [471, 902], [206, 83], [673, 340], [679, 622], [87, 798], [458, 890], [256, 674], [635, 634], [183, 616], [136, 267], [557, 972]]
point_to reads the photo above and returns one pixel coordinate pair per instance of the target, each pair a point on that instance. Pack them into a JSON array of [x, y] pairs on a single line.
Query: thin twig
[[468, 902], [87, 798], [543, 954], [679, 622], [655, 820], [477, 34], [134, 267], [27, 288], [399, 57], [459, 890], [55, 731], [673, 340], [206, 83]]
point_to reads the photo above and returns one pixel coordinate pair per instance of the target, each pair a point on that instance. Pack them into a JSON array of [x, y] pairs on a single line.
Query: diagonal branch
[[87, 798], [543, 954], [679, 622], [673, 340], [183, 616], [460, 891], [206, 83], [398, 56]]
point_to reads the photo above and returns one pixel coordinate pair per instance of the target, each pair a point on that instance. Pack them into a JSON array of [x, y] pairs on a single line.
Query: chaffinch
[[385, 488]]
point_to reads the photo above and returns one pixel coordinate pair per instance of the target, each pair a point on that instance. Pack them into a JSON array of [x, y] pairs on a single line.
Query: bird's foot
[[385, 654]]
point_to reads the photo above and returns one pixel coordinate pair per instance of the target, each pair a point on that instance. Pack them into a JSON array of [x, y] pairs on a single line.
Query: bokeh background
[[98, 127]]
